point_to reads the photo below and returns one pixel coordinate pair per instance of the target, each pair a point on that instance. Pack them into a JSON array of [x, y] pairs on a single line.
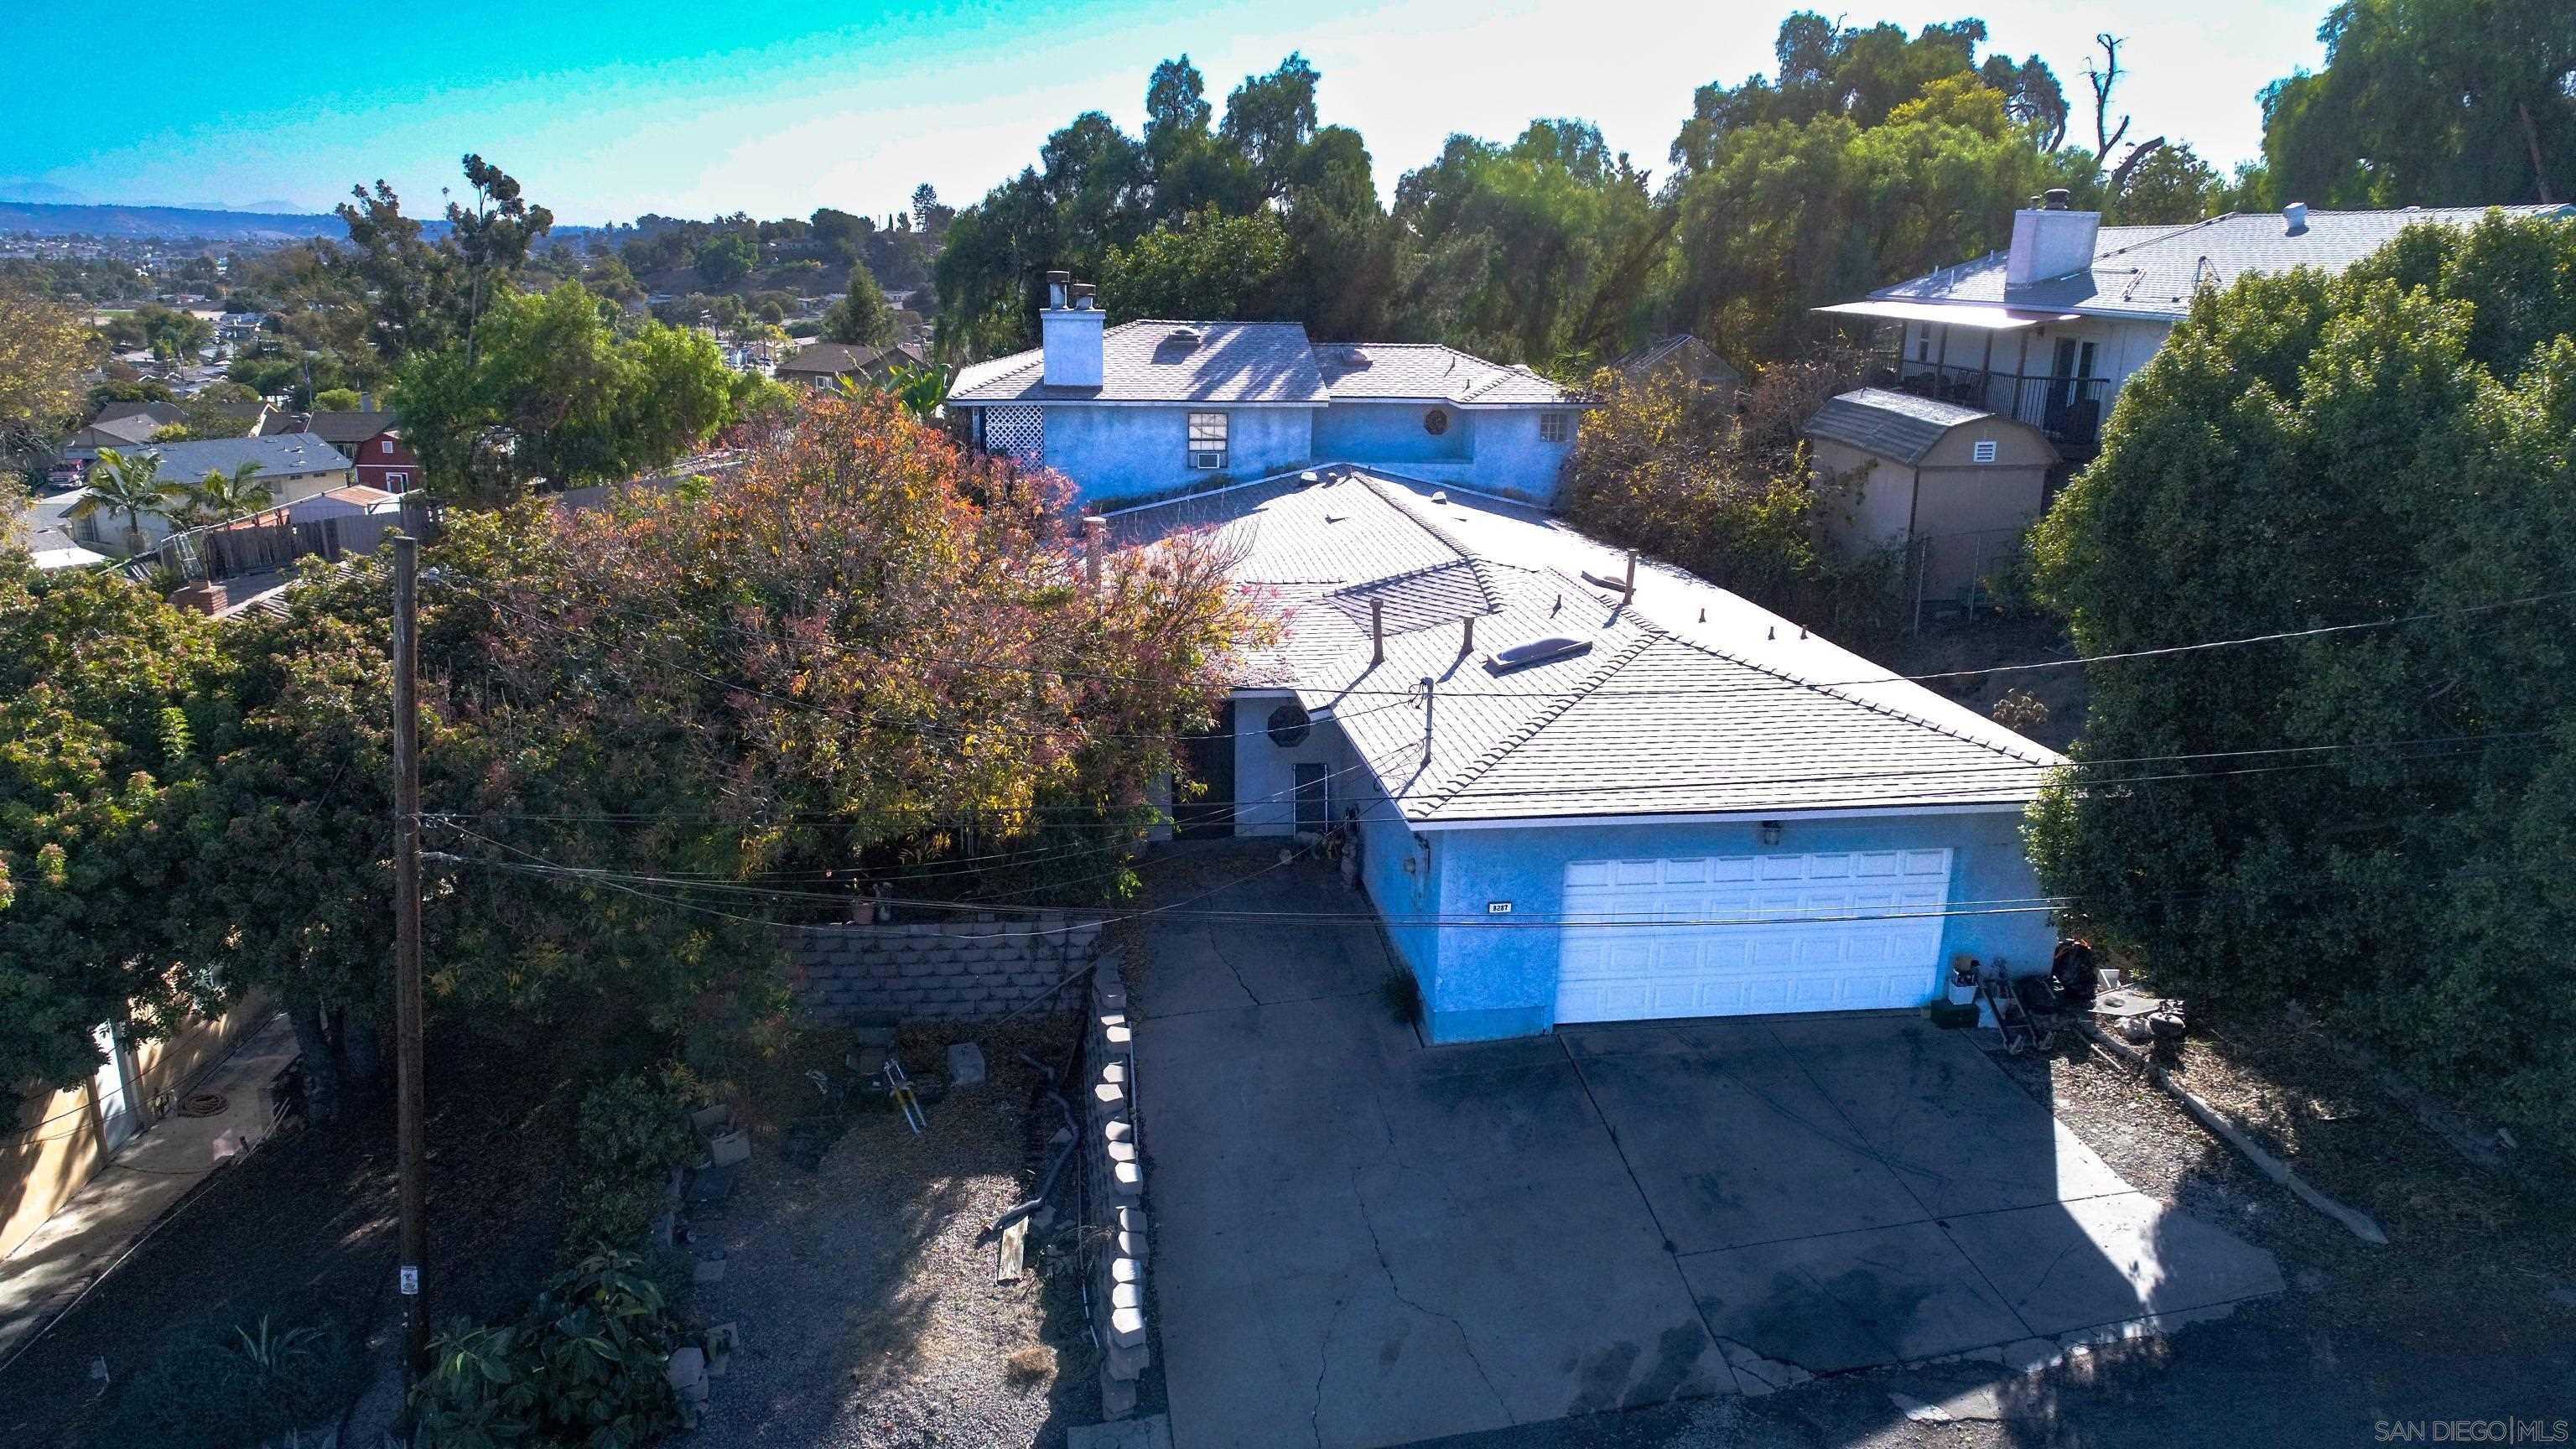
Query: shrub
[[633, 1130], [583, 1366], [219, 1383]]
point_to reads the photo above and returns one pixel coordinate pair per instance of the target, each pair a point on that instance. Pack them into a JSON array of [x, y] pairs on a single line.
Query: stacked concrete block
[[955, 971], [1115, 1164]]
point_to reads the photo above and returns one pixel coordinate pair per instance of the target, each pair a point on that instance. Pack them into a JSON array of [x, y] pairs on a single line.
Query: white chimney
[[2296, 214], [2050, 240], [1069, 332]]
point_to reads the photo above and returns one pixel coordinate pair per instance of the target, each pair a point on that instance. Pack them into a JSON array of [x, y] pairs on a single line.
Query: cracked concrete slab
[[1850, 1300], [1360, 1240], [2103, 1260], [1737, 1146], [1960, 1134]]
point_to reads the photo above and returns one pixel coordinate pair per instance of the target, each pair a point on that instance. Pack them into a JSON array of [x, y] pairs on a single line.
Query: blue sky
[[607, 111]]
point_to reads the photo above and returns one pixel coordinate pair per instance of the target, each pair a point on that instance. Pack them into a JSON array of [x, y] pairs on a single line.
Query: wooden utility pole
[[407, 1051]]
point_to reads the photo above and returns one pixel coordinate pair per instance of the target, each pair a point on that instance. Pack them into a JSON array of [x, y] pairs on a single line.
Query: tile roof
[[1262, 362], [1891, 424], [1685, 699], [2152, 271], [1147, 361], [163, 414]]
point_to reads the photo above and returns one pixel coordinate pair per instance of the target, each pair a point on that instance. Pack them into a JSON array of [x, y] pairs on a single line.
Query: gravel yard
[[865, 1294]]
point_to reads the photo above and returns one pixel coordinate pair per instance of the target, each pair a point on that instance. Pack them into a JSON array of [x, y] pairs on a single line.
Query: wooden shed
[[1956, 487]]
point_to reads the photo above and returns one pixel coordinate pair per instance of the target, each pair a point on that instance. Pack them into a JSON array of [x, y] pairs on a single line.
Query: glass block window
[[1019, 432], [1207, 440]]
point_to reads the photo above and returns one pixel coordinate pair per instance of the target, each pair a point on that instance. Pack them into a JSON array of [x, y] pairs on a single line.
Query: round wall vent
[[1288, 726], [1436, 421]]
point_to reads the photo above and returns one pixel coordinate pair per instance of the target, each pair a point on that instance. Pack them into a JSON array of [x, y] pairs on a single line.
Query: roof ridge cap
[[1540, 719], [1442, 535]]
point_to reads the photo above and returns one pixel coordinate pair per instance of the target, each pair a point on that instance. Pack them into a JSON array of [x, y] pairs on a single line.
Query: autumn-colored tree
[[45, 347]]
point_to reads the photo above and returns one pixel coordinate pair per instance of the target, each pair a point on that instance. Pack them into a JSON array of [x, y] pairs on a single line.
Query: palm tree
[[128, 485], [219, 495]]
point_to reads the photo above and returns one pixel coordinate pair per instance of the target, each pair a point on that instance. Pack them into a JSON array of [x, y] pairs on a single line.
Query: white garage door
[[1820, 938]]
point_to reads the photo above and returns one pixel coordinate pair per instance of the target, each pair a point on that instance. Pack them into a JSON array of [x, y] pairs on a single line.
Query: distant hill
[[43, 191], [165, 223]]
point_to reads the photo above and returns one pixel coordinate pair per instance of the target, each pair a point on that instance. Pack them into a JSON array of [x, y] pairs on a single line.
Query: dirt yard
[[1980, 647], [864, 1291]]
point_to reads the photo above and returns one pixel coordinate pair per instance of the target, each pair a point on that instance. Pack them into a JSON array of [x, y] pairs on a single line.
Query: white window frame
[[398, 481], [1555, 426], [1208, 441]]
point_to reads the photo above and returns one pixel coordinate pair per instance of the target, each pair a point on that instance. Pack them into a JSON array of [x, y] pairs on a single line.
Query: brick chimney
[[1069, 333], [2050, 240]]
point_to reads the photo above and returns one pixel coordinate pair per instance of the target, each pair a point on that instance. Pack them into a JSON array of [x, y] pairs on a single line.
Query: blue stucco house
[[1590, 789], [1149, 408]]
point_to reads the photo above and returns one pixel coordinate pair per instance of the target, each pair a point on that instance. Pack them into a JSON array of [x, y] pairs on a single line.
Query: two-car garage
[[1740, 934]]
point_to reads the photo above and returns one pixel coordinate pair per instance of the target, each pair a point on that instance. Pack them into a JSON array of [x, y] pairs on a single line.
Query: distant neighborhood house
[[1154, 407], [824, 364], [290, 467]]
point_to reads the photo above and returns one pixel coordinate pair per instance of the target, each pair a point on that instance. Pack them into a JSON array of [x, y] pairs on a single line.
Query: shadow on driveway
[[1360, 1240]]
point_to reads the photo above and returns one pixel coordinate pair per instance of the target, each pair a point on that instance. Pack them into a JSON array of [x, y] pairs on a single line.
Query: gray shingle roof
[[350, 429], [1891, 424], [836, 359], [1232, 362], [293, 455], [1262, 362], [1428, 372], [1689, 699], [2151, 271]]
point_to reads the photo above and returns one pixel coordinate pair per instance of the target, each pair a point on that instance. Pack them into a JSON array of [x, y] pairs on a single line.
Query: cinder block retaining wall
[[1115, 1202], [938, 970]]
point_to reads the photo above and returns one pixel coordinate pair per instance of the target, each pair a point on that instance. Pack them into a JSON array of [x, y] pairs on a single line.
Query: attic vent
[[1354, 357], [1185, 336], [1536, 651], [1984, 451]]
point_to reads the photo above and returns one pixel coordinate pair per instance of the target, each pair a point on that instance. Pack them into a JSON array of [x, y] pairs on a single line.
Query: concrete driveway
[[1360, 1241]]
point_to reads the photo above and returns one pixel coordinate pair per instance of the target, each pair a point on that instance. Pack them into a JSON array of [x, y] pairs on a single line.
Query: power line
[[2163, 651]]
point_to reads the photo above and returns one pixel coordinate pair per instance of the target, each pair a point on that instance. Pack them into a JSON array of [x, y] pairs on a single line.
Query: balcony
[[2068, 409]]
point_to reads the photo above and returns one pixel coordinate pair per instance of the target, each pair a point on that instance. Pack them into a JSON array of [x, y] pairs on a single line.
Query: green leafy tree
[[2170, 184], [2430, 103], [1786, 216], [725, 260], [861, 316], [558, 393], [1211, 267], [411, 285], [336, 400], [491, 236], [2310, 450], [110, 701]]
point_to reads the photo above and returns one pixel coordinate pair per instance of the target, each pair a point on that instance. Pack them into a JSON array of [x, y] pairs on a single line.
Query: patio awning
[[1984, 316]]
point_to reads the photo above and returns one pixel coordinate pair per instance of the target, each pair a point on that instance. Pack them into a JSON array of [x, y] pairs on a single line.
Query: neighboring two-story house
[[1147, 408], [2046, 332]]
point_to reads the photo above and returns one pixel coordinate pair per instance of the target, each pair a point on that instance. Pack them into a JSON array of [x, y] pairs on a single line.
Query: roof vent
[[1439, 495], [1185, 336], [2296, 215], [1536, 651], [1355, 357]]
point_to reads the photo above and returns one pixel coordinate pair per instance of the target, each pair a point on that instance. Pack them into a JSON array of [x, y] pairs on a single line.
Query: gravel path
[[864, 1292]]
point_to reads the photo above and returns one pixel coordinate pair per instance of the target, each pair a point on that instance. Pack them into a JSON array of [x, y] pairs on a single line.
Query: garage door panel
[[1731, 935]]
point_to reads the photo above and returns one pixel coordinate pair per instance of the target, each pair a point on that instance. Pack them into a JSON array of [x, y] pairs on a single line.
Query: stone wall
[[937, 970], [1115, 1202]]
